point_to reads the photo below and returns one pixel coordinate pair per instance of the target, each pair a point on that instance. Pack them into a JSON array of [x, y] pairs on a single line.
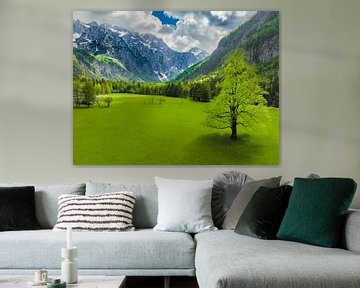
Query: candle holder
[[68, 265]]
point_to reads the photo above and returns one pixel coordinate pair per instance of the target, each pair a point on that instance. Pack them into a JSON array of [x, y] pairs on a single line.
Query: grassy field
[[139, 130]]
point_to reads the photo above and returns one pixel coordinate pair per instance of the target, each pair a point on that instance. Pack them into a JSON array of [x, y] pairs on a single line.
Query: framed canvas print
[[175, 87]]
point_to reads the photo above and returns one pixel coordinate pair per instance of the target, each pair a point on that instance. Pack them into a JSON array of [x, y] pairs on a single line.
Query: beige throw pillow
[[243, 198]]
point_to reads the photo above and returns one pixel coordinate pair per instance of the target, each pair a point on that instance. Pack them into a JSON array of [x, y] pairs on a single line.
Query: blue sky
[[181, 30], [165, 19]]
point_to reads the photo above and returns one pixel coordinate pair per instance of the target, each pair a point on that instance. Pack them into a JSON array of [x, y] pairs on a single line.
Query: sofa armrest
[[351, 234]]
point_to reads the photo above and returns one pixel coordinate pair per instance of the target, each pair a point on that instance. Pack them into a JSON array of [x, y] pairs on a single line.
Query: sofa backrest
[[146, 203], [46, 200]]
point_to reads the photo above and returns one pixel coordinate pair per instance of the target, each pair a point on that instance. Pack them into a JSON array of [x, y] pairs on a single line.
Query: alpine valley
[[118, 54], [139, 101]]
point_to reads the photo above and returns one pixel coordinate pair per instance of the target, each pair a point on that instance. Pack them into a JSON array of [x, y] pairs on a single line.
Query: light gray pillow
[[146, 204], [184, 205], [46, 200], [243, 198]]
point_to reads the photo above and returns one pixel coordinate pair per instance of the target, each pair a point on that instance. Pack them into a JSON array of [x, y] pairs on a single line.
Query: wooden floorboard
[[158, 282]]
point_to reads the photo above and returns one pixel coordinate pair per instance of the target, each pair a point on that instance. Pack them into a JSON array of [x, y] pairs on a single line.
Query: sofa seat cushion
[[142, 249], [226, 259]]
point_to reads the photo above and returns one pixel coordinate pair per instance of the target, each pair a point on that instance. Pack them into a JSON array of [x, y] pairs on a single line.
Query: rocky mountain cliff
[[120, 54], [259, 37]]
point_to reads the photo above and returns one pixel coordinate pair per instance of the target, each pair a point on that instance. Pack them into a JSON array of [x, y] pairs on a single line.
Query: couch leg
[[167, 282]]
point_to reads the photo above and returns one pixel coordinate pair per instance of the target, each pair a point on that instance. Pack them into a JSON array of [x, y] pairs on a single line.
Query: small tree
[[98, 100], [241, 97], [108, 100]]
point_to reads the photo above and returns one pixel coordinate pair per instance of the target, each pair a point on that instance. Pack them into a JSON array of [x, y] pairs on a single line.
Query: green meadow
[[157, 130]]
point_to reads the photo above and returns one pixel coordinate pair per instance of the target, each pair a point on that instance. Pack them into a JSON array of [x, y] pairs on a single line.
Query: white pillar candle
[[69, 237]]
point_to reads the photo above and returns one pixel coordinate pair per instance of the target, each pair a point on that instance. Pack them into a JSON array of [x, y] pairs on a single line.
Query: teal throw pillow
[[316, 211]]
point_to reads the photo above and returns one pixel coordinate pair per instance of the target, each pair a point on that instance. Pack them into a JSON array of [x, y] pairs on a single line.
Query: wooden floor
[[158, 282]]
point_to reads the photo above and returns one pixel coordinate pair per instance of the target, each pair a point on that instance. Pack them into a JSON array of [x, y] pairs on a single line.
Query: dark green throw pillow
[[17, 208], [263, 214], [316, 211]]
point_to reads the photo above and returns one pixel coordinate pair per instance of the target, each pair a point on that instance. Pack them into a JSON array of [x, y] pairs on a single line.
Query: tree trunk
[[234, 130]]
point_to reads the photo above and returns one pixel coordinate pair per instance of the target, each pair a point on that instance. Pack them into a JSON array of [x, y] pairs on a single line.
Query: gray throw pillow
[[184, 205], [242, 199], [226, 187], [146, 204], [46, 200]]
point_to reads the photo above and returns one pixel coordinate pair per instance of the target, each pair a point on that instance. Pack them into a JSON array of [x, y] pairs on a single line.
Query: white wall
[[320, 91]]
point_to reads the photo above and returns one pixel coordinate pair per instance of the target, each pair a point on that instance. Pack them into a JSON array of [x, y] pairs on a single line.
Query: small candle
[[69, 239]]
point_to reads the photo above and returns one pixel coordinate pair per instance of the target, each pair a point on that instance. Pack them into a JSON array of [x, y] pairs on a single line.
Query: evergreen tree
[[78, 95], [89, 93]]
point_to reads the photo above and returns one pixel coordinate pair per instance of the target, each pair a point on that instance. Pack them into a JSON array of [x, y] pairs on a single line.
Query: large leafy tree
[[241, 100]]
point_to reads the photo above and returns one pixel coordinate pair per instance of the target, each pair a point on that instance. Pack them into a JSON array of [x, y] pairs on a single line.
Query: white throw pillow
[[184, 205], [105, 212]]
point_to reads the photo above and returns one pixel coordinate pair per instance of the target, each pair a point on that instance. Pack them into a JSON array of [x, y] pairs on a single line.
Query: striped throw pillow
[[105, 212]]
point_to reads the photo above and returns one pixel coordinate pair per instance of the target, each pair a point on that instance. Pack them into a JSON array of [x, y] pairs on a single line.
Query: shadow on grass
[[223, 139], [220, 149]]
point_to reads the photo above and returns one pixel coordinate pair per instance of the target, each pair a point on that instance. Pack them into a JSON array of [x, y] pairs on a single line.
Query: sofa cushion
[[243, 198], [225, 189], [105, 212], [184, 205], [142, 249], [317, 209], [146, 205], [350, 239], [225, 259], [46, 200], [17, 208], [263, 215]]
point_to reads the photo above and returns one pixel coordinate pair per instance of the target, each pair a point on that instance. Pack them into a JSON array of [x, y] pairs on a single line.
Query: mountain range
[[120, 54], [117, 53]]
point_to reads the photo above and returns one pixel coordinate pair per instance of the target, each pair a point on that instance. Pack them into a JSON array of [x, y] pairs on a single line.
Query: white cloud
[[202, 29], [139, 21], [222, 15]]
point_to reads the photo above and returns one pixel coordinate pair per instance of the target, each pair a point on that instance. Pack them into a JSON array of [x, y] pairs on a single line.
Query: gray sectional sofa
[[219, 259]]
